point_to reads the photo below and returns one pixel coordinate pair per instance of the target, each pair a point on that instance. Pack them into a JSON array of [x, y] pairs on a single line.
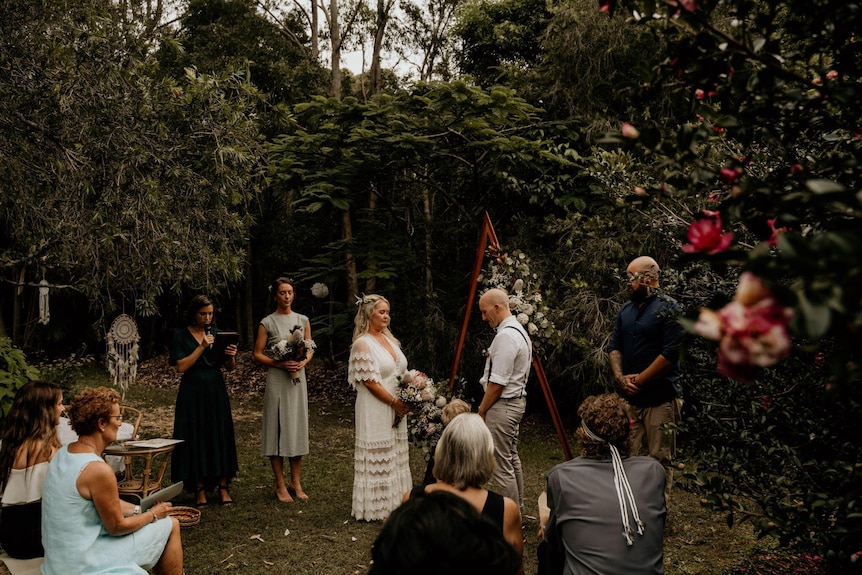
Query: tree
[[775, 150], [116, 183], [499, 41], [433, 156], [218, 36]]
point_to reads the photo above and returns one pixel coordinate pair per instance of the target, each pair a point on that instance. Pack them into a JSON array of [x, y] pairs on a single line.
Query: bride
[[381, 472]]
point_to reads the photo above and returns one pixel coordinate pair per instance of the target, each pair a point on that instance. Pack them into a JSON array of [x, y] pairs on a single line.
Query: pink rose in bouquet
[[415, 389]]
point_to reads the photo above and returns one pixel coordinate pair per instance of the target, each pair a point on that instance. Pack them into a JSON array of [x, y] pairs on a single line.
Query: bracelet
[[394, 399], [155, 517]]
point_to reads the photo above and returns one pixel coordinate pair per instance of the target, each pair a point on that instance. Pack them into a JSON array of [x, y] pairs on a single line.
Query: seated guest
[[441, 533], [464, 462], [29, 442], [450, 410], [607, 510], [86, 527]]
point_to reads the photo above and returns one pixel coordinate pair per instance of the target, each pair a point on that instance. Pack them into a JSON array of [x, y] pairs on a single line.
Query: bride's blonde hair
[[365, 307]]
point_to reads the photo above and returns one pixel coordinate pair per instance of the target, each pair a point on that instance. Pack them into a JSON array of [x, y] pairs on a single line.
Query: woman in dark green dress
[[206, 458]]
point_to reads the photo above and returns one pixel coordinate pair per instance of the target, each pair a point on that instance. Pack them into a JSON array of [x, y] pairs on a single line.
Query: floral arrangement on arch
[[512, 274]]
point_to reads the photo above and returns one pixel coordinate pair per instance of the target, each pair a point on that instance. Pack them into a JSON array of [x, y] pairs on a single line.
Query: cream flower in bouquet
[[294, 347], [415, 389]]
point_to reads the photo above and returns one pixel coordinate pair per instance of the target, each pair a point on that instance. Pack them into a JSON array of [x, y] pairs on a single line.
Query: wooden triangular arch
[[489, 238]]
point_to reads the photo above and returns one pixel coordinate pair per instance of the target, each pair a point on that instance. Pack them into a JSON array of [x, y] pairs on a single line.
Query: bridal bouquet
[[415, 389], [425, 426], [293, 347]]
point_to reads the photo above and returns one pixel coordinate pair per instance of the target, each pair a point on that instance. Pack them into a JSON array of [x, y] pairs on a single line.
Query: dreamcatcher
[[122, 356]]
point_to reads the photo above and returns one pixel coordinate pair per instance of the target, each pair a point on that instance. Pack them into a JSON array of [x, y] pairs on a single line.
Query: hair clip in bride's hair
[[360, 300]]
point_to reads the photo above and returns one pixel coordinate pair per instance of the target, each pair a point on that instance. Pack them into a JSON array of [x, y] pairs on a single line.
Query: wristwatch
[[137, 510]]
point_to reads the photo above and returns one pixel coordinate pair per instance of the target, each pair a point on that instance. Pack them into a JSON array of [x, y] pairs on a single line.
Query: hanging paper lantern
[[122, 354]]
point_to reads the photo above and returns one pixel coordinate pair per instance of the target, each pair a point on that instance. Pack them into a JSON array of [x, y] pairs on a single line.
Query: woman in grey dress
[[285, 401]]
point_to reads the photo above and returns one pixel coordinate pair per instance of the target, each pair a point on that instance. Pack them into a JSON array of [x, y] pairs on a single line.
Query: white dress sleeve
[[363, 366]]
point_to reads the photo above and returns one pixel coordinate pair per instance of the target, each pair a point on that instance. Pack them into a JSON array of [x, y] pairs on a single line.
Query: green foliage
[[782, 453], [14, 373], [411, 172], [116, 182], [775, 89], [499, 40], [223, 35]]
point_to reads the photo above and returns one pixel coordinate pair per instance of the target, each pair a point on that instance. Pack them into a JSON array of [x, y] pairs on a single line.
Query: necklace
[[93, 447]]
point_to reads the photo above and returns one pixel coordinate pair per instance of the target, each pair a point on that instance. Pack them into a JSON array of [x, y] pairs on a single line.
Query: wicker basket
[[187, 516]]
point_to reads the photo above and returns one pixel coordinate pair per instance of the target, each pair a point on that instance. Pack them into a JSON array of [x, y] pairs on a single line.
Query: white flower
[[532, 329], [319, 290], [523, 318], [528, 309], [441, 401], [519, 285]]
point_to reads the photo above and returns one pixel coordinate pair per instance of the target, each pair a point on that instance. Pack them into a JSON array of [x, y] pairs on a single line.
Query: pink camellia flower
[[699, 94], [796, 169], [630, 131], [832, 74], [773, 239], [705, 235], [729, 175], [751, 330]]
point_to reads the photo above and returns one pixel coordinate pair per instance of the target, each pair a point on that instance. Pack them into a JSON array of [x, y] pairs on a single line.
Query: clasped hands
[[629, 384], [401, 408], [290, 365]]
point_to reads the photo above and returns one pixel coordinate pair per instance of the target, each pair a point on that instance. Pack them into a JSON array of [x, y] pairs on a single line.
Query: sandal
[[225, 489], [198, 503]]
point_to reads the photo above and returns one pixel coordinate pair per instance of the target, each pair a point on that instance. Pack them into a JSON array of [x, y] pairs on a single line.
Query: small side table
[[153, 452]]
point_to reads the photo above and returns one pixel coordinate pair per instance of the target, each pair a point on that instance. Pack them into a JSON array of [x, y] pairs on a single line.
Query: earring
[[101, 429]]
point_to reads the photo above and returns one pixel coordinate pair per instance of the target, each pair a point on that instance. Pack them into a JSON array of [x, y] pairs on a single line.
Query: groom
[[504, 380]]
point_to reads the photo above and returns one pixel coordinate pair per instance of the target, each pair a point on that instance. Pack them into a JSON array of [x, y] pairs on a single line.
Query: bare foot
[[283, 495], [297, 492]]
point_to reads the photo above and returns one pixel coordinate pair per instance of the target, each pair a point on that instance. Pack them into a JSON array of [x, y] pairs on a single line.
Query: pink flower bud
[[699, 94], [630, 131], [751, 290], [729, 175]]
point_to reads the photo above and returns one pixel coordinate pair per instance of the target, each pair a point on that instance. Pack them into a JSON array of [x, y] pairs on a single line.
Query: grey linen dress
[[285, 401]]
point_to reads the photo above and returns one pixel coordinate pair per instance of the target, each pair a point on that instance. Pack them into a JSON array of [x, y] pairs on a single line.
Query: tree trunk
[[335, 59], [380, 31], [350, 259], [315, 34], [248, 305], [371, 264]]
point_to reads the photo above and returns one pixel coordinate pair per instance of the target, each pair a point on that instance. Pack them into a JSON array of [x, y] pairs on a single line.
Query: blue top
[[641, 334], [75, 541]]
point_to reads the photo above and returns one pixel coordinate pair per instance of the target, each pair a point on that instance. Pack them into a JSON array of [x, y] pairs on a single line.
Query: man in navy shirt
[[644, 351]]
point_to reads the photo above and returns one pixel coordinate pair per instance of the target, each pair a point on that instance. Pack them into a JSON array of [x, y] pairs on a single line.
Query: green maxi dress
[[202, 420]]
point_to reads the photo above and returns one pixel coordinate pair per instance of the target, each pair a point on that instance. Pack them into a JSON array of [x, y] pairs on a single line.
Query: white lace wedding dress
[[381, 461]]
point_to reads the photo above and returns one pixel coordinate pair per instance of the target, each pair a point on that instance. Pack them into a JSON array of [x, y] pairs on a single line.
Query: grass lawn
[[258, 534]]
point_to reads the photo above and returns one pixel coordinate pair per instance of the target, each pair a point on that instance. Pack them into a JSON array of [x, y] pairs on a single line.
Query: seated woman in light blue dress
[[86, 528]]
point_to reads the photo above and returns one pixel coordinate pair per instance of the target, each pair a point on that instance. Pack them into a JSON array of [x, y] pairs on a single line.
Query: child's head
[[454, 408]]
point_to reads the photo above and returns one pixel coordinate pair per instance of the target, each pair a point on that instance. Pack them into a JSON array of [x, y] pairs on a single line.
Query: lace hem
[[381, 478]]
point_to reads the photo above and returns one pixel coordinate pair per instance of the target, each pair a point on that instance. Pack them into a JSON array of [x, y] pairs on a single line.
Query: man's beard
[[640, 293]]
